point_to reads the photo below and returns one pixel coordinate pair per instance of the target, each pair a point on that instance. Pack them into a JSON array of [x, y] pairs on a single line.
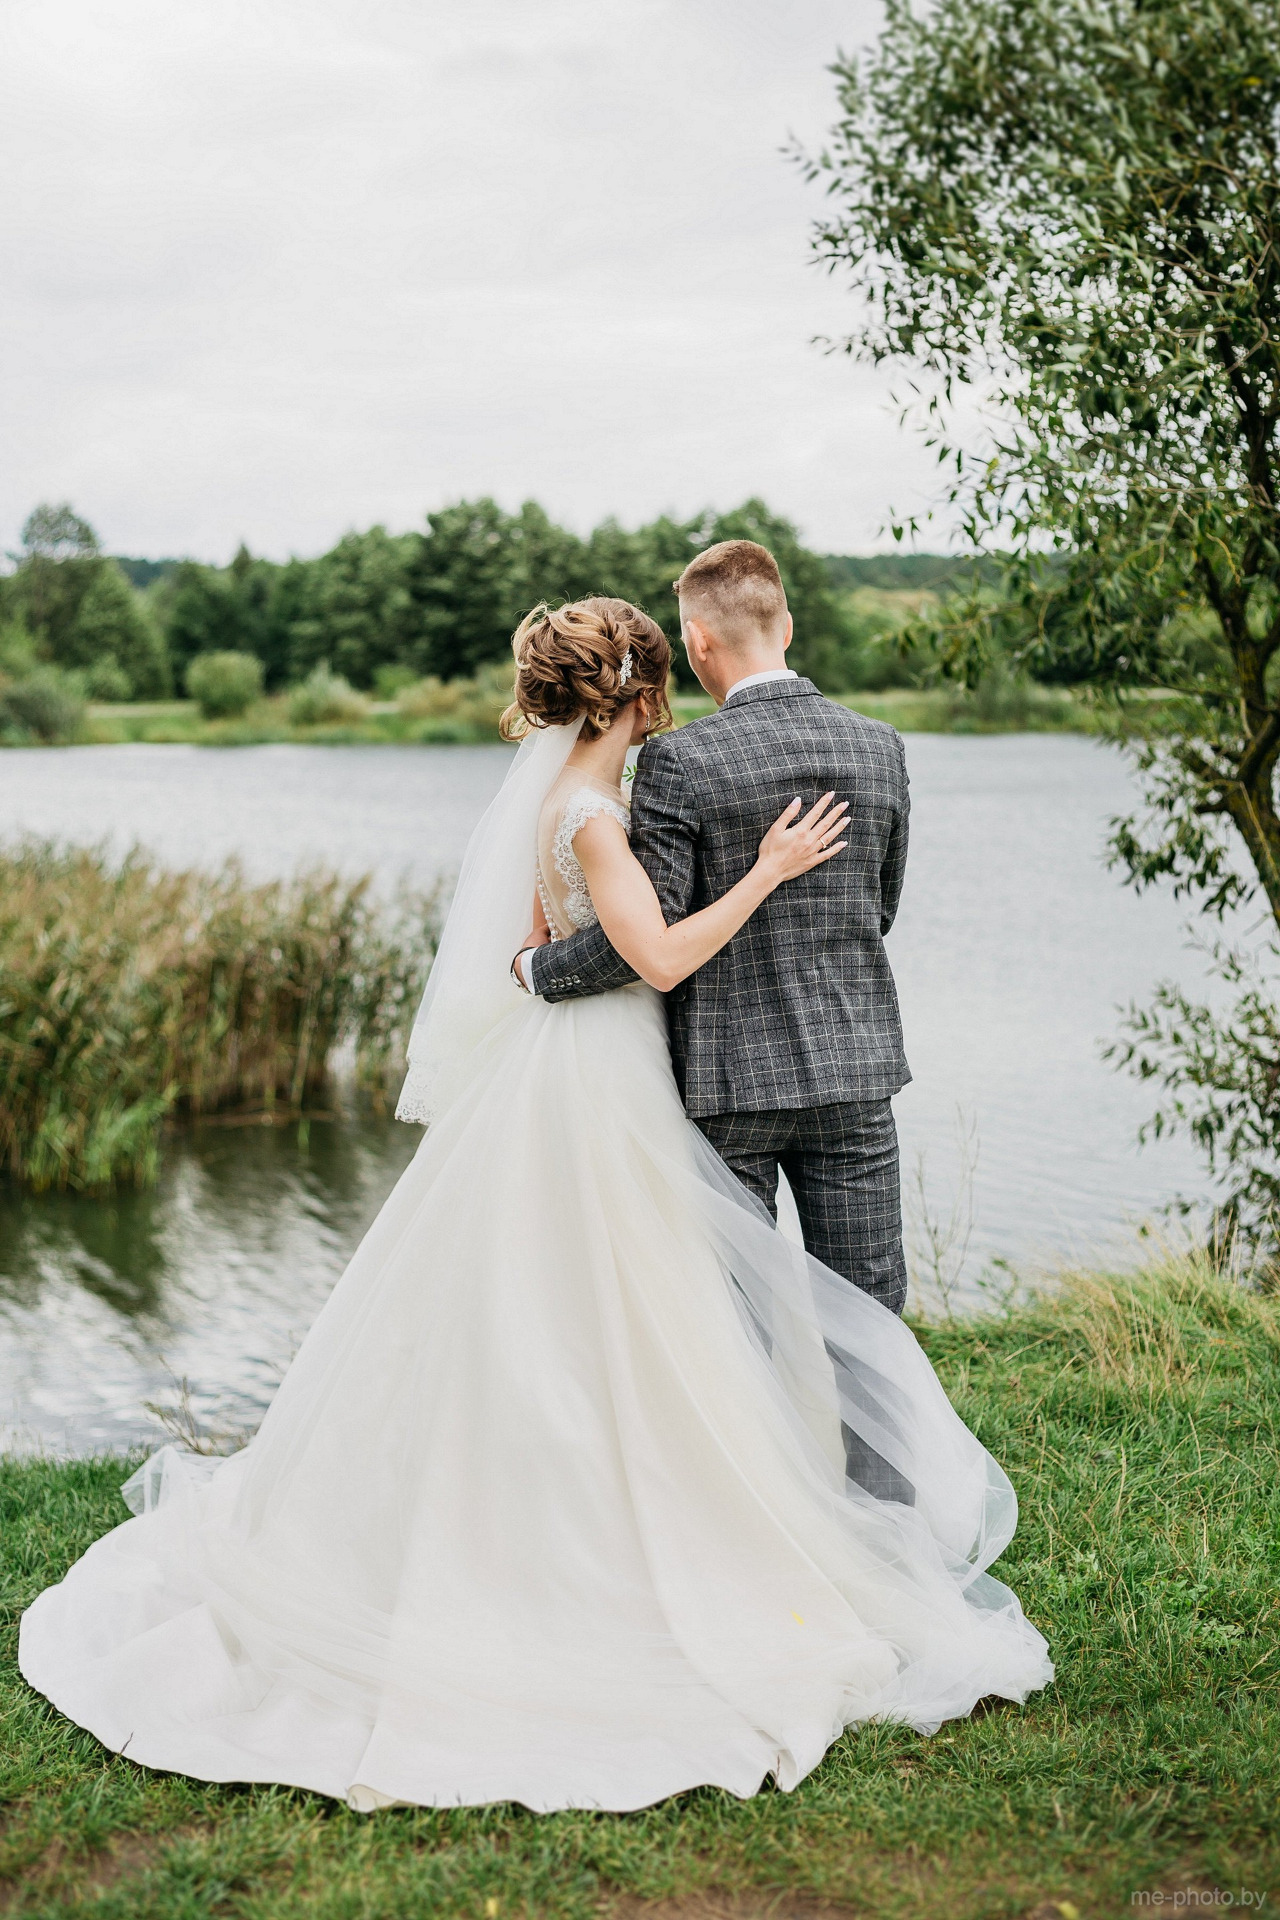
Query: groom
[[787, 1044]]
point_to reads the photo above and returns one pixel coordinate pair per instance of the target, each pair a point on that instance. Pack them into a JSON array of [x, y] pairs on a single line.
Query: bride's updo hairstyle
[[590, 657]]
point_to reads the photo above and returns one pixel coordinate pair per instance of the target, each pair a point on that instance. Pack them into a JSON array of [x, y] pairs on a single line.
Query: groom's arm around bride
[[787, 1044]]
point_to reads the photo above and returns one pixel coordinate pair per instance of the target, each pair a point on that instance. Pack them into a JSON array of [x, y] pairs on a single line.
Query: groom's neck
[[730, 667], [721, 652]]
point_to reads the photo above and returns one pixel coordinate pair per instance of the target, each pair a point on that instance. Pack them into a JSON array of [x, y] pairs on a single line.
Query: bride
[[552, 1504]]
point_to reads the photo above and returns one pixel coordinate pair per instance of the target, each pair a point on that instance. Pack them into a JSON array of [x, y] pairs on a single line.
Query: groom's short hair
[[736, 588]]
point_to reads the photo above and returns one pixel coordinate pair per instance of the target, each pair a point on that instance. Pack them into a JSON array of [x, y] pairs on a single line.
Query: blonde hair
[[589, 657], [736, 587]]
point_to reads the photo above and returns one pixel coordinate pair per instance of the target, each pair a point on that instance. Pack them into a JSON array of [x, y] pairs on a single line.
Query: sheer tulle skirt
[[552, 1504]]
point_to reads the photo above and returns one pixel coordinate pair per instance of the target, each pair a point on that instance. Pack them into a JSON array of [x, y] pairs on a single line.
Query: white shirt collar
[[758, 679]]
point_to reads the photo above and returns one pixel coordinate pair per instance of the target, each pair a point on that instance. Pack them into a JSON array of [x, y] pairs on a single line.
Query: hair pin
[[625, 670]]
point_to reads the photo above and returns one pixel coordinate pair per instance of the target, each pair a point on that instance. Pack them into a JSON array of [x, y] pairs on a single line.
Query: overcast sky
[[278, 269]]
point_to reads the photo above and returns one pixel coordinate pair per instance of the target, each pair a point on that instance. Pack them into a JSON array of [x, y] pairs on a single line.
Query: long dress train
[[552, 1506]]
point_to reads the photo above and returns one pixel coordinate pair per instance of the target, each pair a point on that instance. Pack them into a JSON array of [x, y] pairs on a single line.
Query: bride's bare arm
[[623, 896]]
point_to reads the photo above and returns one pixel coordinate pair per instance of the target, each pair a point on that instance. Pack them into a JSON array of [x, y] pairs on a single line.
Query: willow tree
[[1072, 210]]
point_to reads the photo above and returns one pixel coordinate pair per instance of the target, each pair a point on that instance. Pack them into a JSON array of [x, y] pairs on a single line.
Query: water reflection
[[213, 1276], [111, 1247]]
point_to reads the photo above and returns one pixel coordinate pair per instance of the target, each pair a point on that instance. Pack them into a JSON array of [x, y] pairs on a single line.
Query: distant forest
[[939, 573], [381, 608], [888, 572]]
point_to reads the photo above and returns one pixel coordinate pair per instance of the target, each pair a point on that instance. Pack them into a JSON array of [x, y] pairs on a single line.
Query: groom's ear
[[695, 638], [786, 638]]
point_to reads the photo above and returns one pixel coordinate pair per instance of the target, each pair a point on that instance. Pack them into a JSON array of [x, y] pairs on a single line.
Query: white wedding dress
[[551, 1506]]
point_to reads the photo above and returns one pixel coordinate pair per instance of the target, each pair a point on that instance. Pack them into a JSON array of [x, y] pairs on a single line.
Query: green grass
[[932, 710], [997, 709], [1010, 709], [179, 722], [1137, 1417]]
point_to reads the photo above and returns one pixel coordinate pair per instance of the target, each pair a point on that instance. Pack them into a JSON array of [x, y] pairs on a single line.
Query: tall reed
[[129, 993]]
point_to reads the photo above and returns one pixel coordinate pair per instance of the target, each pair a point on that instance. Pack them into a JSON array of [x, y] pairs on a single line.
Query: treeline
[[939, 573], [383, 609]]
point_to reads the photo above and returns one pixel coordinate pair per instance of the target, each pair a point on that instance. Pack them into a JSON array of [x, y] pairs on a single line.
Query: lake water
[[1013, 949]]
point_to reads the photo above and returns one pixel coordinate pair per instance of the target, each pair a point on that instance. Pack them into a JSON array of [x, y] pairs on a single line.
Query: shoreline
[[178, 722]]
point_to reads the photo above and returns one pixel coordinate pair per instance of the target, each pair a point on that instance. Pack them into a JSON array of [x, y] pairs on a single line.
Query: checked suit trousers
[[842, 1165]]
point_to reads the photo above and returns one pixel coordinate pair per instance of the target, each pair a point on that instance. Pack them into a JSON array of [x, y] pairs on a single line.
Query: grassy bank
[[475, 720], [1000, 709], [1138, 1419], [129, 993], [465, 715]]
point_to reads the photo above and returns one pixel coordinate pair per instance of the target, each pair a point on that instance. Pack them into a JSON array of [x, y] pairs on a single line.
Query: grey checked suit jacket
[[799, 1009]]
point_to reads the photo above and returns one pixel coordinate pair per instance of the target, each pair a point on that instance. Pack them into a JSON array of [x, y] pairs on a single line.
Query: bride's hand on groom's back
[[631, 914], [794, 845]]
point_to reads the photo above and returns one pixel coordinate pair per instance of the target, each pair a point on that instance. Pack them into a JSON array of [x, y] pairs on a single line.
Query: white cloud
[[280, 269]]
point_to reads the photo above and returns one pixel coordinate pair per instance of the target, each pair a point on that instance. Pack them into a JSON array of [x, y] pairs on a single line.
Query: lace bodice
[[562, 888]]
